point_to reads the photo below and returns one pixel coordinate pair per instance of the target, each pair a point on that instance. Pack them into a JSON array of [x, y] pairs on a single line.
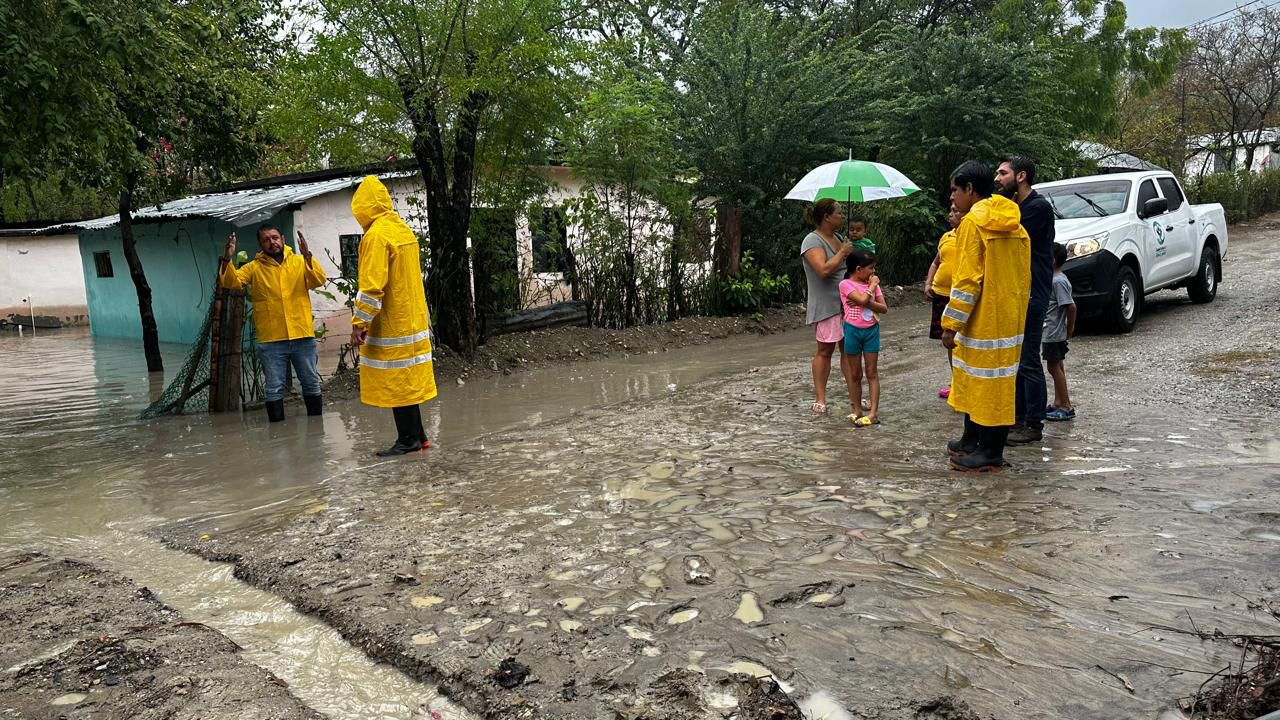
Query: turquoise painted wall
[[180, 259]]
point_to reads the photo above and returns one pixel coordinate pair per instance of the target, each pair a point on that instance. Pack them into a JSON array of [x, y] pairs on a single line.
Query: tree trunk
[[728, 239], [675, 278], [150, 335], [448, 212]]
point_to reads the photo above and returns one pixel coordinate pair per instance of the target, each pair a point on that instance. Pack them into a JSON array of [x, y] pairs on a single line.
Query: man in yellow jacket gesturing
[[389, 319], [985, 316], [280, 284]]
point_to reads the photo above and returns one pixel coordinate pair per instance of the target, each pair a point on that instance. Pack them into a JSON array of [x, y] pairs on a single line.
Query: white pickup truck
[[1131, 234]]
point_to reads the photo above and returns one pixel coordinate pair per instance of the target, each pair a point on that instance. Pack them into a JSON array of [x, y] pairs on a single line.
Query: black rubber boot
[[989, 457], [275, 410], [410, 435], [968, 442], [315, 404]]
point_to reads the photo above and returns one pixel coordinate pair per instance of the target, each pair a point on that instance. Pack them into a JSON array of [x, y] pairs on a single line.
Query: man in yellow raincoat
[[389, 321], [280, 283], [985, 315]]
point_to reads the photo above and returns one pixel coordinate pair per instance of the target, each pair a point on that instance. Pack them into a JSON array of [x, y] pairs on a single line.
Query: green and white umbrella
[[852, 181]]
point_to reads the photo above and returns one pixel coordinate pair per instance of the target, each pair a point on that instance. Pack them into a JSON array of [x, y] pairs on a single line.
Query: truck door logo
[[1158, 227]]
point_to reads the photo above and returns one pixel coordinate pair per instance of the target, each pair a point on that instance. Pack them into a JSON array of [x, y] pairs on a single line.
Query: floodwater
[[81, 476], [1036, 588]]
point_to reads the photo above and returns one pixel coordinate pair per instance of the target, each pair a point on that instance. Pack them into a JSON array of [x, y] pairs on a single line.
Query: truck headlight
[[1081, 247]]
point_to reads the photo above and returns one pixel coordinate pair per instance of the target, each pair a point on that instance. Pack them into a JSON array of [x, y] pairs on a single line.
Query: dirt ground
[[642, 560], [81, 643]]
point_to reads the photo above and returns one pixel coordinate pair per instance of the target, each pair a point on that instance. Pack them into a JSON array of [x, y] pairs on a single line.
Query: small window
[[102, 262], [1172, 192], [1145, 193], [550, 240], [349, 246]]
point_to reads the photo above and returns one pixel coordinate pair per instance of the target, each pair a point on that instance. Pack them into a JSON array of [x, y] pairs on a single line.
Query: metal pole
[[32, 307]]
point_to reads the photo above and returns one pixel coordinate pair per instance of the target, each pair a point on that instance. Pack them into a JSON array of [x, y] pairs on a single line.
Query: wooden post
[[224, 396]]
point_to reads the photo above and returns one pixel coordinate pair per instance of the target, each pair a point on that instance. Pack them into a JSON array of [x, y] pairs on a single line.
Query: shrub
[[1244, 195], [753, 289]]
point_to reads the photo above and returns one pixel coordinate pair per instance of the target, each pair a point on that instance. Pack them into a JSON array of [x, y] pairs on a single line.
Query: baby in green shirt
[[858, 235]]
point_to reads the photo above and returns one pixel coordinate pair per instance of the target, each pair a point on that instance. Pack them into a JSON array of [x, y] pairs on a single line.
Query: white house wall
[[1266, 157], [48, 270]]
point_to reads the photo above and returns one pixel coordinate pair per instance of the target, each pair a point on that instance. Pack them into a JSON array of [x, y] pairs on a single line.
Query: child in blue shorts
[[862, 298], [1059, 326]]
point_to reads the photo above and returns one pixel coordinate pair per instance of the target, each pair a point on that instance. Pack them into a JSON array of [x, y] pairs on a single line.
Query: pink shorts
[[830, 330]]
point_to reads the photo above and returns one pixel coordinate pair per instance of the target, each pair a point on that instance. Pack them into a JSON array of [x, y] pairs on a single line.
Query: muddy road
[[633, 559], [631, 537]]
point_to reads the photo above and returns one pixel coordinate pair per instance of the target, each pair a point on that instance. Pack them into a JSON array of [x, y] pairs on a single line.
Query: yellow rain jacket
[[279, 293], [395, 360], [987, 310], [946, 266]]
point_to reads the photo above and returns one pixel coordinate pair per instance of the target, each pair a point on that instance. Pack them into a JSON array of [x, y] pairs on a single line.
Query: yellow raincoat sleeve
[[234, 278], [313, 273], [966, 283], [374, 256]]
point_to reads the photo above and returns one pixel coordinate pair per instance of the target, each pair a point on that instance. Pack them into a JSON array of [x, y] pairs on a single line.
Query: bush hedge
[[1244, 195]]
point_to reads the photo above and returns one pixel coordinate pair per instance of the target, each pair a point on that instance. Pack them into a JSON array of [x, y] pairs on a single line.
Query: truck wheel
[[1126, 303], [1204, 286]]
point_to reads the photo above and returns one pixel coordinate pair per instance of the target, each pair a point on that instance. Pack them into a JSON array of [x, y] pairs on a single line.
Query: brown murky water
[[81, 476]]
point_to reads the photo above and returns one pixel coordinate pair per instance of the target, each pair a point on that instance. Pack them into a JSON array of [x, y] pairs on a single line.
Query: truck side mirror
[[1155, 206]]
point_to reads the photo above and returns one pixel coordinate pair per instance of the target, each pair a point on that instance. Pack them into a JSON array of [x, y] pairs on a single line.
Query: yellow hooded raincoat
[[279, 292], [395, 360], [988, 309]]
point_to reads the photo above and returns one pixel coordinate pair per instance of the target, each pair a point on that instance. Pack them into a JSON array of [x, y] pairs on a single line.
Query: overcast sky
[[1177, 13]]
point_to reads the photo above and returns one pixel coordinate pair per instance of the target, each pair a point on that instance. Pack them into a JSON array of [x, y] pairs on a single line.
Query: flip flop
[[819, 408], [866, 421], [853, 417]]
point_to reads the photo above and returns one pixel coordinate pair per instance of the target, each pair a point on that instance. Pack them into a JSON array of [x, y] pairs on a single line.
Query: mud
[[81, 642]]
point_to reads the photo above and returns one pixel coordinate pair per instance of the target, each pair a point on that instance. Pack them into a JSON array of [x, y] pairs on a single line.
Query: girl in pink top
[[862, 298]]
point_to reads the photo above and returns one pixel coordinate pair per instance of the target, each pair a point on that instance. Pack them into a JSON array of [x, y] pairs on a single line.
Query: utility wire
[[1213, 20]]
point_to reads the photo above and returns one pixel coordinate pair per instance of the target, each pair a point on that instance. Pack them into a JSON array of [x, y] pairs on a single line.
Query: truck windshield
[[1089, 199]]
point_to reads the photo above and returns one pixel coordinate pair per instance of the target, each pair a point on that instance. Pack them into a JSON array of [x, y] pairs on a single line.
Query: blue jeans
[[1032, 395], [277, 356]]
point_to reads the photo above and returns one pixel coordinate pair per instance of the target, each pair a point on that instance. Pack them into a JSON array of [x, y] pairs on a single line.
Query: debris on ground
[[1251, 691]]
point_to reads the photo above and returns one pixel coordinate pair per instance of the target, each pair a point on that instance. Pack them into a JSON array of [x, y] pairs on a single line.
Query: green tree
[[469, 87], [761, 98], [134, 97], [624, 149]]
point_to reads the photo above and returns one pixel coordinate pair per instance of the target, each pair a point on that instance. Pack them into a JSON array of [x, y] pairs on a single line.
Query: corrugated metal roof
[[1108, 157], [238, 207]]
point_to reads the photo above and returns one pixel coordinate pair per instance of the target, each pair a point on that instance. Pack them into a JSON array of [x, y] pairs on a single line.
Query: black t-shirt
[[1038, 221]]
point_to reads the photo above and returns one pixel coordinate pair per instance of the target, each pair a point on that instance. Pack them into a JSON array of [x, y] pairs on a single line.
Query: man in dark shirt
[[1014, 179]]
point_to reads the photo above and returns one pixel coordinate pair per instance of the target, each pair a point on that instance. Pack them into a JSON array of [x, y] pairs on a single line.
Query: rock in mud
[[762, 699], [697, 571], [821, 594], [511, 673], [82, 642]]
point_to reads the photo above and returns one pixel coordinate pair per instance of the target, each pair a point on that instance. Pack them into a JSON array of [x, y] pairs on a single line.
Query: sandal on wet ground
[[819, 408], [1060, 414], [866, 421]]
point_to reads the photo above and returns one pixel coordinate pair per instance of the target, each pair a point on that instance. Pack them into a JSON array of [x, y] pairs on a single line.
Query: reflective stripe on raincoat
[[279, 293], [395, 360], [987, 310]]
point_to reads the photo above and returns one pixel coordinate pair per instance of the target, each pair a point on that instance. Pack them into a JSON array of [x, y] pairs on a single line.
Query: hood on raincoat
[[370, 202], [997, 214]]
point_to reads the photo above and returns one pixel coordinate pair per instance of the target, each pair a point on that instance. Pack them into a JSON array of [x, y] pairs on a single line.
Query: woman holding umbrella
[[824, 253]]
